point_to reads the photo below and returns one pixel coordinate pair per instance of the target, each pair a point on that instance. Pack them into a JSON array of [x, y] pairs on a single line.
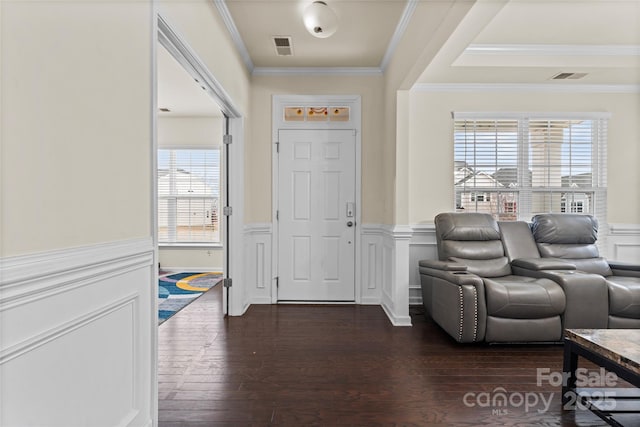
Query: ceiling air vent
[[568, 76], [283, 45]]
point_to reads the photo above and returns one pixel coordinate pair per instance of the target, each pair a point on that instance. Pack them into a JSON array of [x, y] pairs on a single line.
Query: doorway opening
[[218, 121]]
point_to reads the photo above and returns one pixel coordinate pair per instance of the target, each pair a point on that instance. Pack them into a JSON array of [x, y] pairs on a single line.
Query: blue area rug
[[178, 290]]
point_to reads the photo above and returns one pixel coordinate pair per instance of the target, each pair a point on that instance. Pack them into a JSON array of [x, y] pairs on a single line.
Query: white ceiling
[[498, 41], [365, 28], [531, 41]]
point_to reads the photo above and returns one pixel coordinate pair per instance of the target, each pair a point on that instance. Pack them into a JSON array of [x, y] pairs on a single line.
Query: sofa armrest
[[455, 299], [587, 296], [538, 264], [442, 265], [624, 266], [457, 277]]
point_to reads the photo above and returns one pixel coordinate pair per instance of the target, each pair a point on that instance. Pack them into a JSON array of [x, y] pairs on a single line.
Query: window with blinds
[[515, 166], [188, 196]]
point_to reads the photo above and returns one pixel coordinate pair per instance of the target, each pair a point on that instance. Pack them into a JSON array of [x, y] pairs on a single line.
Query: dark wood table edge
[[572, 350]]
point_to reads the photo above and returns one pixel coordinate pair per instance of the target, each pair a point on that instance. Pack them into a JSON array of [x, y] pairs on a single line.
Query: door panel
[[316, 181]]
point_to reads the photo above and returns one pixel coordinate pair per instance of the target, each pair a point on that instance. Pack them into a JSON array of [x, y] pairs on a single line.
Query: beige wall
[[258, 148], [190, 132], [200, 259], [430, 155], [432, 23], [75, 123]]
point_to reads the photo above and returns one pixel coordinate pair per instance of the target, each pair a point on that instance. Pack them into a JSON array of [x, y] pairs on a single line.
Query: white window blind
[[514, 166], [188, 196]]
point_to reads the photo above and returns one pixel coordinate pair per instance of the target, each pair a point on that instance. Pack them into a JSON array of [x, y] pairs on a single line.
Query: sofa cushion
[[520, 297], [517, 240], [472, 250], [472, 239], [495, 267], [564, 228], [624, 296], [592, 265], [568, 251], [469, 226]]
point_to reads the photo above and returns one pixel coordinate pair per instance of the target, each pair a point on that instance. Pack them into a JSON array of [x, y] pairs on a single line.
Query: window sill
[[190, 245]]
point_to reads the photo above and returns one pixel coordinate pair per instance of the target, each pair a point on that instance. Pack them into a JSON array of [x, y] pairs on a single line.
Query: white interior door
[[316, 211]]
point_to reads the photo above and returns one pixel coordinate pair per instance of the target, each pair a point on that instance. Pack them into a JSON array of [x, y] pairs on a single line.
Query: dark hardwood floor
[[292, 365]]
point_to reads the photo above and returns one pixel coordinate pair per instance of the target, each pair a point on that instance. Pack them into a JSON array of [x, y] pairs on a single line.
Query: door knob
[[350, 224]]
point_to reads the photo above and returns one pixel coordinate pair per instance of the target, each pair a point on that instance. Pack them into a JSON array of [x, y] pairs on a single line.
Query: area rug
[[177, 290]]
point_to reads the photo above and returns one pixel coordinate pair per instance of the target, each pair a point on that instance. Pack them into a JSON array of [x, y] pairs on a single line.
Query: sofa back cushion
[[517, 240], [472, 239], [572, 229], [571, 237]]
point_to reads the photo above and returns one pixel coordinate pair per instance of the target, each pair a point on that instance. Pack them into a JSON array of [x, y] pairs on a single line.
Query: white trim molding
[[317, 71], [395, 290], [27, 278], [176, 45], [403, 23], [559, 87], [553, 49], [259, 279], [422, 246], [221, 5], [241, 47], [90, 313], [623, 242]]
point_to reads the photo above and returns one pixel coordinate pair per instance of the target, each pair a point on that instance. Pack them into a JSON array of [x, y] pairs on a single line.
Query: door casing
[[278, 123]]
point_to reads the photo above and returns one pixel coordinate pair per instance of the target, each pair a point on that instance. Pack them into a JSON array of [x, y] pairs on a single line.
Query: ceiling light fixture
[[320, 20]]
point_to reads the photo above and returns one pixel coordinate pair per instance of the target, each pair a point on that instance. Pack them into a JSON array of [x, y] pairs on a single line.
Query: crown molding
[[407, 13], [526, 87], [235, 34], [403, 23], [314, 71], [553, 49]]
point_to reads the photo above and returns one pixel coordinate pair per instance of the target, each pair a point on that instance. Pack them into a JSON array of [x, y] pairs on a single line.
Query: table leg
[[569, 367]]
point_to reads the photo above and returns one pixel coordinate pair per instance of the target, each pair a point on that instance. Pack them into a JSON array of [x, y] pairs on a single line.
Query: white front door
[[316, 210]]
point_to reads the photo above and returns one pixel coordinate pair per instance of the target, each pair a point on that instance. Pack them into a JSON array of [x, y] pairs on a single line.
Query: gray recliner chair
[[473, 295], [571, 238], [587, 297]]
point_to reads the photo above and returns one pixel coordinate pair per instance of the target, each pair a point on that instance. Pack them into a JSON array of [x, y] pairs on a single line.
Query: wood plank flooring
[[292, 365]]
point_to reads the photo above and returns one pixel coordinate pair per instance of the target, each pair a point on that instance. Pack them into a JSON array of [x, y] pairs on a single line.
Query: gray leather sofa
[[572, 238], [472, 293], [512, 282]]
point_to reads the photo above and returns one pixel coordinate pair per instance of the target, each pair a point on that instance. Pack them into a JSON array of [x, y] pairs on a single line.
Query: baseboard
[[396, 320], [207, 269], [370, 301], [261, 300]]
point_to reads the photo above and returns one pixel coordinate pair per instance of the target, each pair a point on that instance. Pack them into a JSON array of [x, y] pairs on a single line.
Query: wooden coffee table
[[615, 350]]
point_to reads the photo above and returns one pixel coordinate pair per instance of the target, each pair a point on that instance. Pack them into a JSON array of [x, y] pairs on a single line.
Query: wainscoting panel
[[422, 246], [372, 264], [623, 242], [257, 238], [78, 335]]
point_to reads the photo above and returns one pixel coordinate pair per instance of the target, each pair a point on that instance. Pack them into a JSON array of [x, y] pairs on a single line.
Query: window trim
[[218, 200], [524, 193]]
